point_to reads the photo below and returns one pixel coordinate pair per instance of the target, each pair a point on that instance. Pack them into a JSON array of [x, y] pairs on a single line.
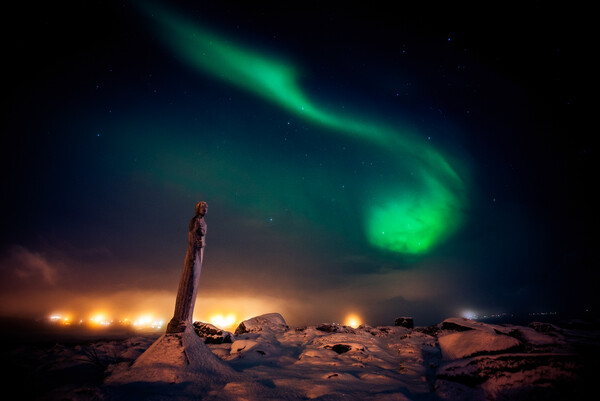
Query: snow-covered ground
[[457, 359]]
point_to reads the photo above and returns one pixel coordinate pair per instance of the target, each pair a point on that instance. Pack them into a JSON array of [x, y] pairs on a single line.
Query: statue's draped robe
[[180, 355], [188, 285]]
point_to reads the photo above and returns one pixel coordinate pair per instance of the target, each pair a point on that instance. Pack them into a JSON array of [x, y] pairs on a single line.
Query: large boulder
[[266, 322], [455, 324], [212, 334], [463, 344]]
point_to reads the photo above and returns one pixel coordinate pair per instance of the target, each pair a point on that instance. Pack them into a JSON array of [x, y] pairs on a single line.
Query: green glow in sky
[[412, 222], [410, 218]]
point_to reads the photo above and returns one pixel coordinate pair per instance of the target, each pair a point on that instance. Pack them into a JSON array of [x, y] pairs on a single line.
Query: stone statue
[[180, 355], [188, 285]]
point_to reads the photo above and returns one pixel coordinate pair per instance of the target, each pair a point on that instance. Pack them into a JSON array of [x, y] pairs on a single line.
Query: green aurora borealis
[[355, 157], [413, 212]]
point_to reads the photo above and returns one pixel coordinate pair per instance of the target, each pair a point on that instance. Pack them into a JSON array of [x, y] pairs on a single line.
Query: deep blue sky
[[109, 139]]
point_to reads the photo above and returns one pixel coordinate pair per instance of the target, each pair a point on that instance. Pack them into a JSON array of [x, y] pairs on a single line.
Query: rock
[[339, 348], [544, 327], [212, 334], [475, 342], [404, 322], [266, 322], [508, 377], [534, 339], [433, 331], [456, 324], [383, 331], [451, 326], [335, 328], [460, 324]]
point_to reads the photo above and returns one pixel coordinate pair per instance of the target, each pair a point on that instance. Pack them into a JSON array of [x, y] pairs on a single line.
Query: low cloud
[[30, 265]]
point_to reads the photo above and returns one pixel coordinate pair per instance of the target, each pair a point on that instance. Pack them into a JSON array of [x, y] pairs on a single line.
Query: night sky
[[417, 161]]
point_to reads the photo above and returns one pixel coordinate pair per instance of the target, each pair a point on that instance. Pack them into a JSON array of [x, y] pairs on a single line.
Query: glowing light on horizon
[[469, 314], [143, 321], [100, 320], [60, 319], [148, 321], [223, 321], [409, 220], [353, 321]]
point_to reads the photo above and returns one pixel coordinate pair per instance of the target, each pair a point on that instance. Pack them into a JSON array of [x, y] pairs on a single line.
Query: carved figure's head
[[201, 208]]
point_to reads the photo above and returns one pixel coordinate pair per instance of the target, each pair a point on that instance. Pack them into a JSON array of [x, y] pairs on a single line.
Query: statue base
[[176, 326], [173, 358]]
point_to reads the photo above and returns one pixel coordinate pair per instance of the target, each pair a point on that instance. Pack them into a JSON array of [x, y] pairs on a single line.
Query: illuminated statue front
[[179, 355], [188, 284]]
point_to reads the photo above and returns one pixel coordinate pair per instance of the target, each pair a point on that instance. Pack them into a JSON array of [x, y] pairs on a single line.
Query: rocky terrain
[[457, 359]]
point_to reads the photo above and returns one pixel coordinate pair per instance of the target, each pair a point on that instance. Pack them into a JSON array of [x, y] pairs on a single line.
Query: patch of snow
[[242, 345], [474, 362], [173, 358]]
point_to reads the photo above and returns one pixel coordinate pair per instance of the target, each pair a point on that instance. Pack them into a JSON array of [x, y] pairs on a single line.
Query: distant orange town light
[[223, 321], [353, 321], [59, 318], [99, 319], [148, 321]]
